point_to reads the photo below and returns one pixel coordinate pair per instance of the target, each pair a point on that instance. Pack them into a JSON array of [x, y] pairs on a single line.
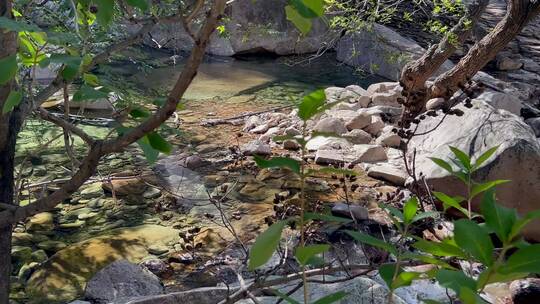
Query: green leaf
[[368, 239], [142, 4], [443, 164], [443, 249], [387, 272], [311, 105], [479, 188], [69, 72], [14, 99], [325, 218], [474, 240], [265, 245], [405, 278], [302, 24], [521, 223], [150, 153], [423, 215], [8, 68], [463, 158], [281, 138], [455, 280], [105, 11], [159, 143], [88, 93], [330, 170], [308, 8], [488, 276], [284, 297], [395, 212], [303, 254], [278, 162], [500, 219], [139, 113], [428, 259], [409, 209], [525, 260], [331, 298], [485, 156], [451, 202], [90, 79], [469, 296], [18, 26]]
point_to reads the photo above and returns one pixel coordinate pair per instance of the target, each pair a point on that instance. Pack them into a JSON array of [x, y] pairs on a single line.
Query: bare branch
[[46, 115], [148, 25]]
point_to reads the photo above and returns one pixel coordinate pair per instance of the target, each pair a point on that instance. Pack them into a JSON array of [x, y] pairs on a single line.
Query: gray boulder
[[379, 50], [120, 281], [252, 28], [480, 128]]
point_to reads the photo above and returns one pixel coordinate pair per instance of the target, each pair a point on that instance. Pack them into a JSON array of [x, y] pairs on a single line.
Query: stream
[[165, 214]]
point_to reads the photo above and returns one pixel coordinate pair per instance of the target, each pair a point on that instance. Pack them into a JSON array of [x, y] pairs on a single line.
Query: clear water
[[268, 77]]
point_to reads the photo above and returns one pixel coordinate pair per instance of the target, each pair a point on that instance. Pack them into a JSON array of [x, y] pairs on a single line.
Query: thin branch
[[46, 115]]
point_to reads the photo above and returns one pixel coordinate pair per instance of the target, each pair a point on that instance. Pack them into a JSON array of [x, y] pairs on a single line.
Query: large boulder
[[120, 281], [378, 49], [251, 28], [480, 128]]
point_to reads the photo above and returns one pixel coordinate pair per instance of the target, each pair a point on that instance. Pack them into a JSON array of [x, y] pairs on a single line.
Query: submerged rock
[[120, 281], [63, 277]]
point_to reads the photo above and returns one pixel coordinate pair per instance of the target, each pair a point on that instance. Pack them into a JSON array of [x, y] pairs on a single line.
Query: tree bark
[[9, 128]]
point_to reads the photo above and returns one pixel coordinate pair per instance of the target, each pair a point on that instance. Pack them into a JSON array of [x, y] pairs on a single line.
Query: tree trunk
[[9, 128]]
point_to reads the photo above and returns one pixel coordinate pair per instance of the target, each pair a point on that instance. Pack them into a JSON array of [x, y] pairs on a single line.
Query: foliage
[[472, 241], [267, 243]]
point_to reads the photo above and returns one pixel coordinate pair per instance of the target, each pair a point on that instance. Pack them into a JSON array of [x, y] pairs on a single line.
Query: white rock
[[347, 106], [358, 137], [357, 89], [256, 147], [331, 125], [389, 98], [292, 131], [252, 122], [508, 64], [382, 87], [333, 93], [479, 129], [389, 139], [260, 129], [368, 153], [502, 101], [435, 103], [376, 126], [317, 142], [345, 115], [388, 173], [331, 156], [359, 121]]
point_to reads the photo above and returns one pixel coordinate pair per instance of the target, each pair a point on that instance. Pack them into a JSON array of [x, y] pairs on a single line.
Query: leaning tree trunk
[[414, 76], [9, 128], [518, 14]]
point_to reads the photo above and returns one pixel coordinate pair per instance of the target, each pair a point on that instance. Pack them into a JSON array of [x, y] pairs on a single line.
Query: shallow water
[[274, 78]]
